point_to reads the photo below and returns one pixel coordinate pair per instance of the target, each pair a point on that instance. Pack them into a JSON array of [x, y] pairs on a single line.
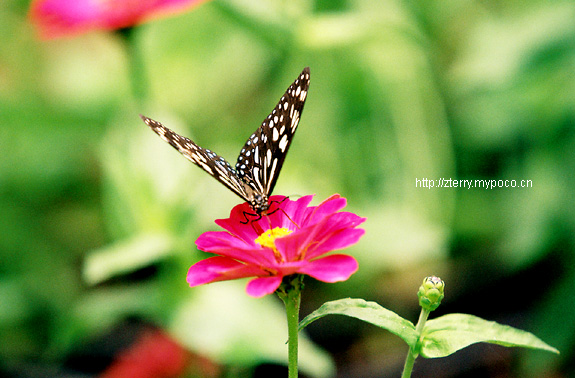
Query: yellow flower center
[[267, 239]]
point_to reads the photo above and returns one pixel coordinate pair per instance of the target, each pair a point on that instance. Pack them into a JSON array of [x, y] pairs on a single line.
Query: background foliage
[[99, 216]]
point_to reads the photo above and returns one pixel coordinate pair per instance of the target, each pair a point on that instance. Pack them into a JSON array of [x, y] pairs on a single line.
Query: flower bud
[[430, 293]]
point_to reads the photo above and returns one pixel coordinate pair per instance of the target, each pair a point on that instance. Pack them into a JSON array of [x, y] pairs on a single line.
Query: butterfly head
[[259, 203]]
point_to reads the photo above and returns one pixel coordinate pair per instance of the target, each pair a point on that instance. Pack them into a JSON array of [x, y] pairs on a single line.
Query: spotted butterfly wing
[[210, 162], [262, 157], [260, 160]]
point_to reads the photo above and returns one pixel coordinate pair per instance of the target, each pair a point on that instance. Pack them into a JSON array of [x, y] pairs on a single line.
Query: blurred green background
[[98, 216]]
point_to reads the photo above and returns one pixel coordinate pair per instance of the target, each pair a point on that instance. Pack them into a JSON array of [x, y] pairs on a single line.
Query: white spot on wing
[[283, 143], [256, 172], [206, 168], [272, 173], [294, 121]]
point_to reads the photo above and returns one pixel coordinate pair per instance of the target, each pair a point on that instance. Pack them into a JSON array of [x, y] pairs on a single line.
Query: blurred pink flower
[[60, 18], [292, 239]]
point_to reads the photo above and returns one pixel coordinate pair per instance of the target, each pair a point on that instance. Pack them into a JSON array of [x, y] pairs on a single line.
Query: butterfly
[[261, 159]]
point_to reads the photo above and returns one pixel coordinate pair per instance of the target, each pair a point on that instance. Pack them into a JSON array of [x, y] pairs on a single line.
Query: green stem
[[414, 351], [292, 310], [409, 361], [290, 294], [136, 66]]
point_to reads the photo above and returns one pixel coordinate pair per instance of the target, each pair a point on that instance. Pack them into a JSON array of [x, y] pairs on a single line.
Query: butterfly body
[[260, 160]]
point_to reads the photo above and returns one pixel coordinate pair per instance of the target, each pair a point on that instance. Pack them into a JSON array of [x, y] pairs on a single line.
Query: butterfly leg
[[245, 214]]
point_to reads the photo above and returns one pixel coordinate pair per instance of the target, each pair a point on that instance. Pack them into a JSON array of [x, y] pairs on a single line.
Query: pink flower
[[59, 18], [292, 239]]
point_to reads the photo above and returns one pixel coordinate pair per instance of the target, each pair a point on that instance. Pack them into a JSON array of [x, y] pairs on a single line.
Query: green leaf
[[125, 257], [369, 312], [450, 333]]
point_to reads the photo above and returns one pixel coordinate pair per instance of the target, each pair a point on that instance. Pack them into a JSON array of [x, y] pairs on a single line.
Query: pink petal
[[292, 246], [296, 211], [331, 268], [236, 223], [225, 244], [336, 241], [335, 231], [263, 286], [58, 18], [218, 268], [212, 241], [327, 207]]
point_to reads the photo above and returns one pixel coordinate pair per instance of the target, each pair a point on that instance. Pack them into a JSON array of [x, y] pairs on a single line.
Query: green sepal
[[369, 312], [449, 333]]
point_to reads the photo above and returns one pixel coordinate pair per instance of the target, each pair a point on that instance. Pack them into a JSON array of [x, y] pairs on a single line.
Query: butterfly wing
[[262, 157], [209, 161]]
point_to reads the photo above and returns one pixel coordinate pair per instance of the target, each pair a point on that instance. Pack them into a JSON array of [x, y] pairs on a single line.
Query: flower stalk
[[136, 66], [430, 294], [290, 294], [414, 351]]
